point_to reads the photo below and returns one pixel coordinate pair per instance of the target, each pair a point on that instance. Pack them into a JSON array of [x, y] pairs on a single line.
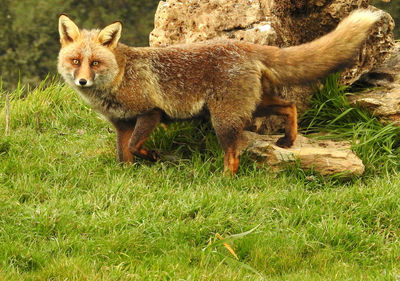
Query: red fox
[[231, 81]]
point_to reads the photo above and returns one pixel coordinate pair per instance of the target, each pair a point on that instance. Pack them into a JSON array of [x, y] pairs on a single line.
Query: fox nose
[[82, 82]]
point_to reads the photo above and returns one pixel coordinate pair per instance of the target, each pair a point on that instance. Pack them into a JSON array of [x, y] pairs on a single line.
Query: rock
[[375, 51], [286, 23], [282, 23], [386, 74], [382, 103], [323, 156], [194, 21], [271, 22]]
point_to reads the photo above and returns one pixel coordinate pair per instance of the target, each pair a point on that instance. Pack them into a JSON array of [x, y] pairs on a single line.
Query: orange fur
[[136, 88]]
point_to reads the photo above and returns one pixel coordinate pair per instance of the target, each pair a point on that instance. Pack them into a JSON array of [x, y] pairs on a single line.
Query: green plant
[[375, 143], [70, 211]]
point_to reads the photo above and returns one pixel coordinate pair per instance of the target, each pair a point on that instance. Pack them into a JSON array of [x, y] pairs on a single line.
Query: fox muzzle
[[82, 82]]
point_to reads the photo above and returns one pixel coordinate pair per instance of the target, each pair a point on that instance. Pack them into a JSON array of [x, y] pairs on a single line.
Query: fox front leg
[[229, 134], [124, 133], [145, 125]]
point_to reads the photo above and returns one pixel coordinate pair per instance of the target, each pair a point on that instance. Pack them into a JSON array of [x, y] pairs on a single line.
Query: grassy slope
[[68, 211]]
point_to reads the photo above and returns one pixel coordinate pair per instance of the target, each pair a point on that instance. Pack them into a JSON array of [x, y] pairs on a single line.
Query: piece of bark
[[323, 156]]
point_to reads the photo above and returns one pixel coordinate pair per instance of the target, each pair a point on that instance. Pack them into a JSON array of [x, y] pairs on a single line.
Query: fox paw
[[149, 155], [284, 142], [153, 156]]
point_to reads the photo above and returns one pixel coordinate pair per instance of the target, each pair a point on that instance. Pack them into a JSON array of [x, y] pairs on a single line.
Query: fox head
[[87, 58]]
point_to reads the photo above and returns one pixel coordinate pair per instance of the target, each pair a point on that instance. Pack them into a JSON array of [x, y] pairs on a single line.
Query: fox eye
[[94, 63], [75, 61]]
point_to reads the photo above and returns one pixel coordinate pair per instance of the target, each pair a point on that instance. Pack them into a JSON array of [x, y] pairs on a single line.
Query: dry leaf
[[227, 246]]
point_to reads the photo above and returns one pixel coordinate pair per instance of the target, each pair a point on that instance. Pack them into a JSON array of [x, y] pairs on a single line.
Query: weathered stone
[[383, 103], [270, 22], [286, 23], [323, 156], [194, 21], [386, 74], [374, 52]]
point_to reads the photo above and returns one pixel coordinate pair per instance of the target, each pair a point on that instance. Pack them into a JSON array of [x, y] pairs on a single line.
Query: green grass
[[69, 211], [375, 143]]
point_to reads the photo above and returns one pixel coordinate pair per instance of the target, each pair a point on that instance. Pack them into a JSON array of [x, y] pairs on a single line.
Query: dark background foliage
[[29, 33], [393, 7]]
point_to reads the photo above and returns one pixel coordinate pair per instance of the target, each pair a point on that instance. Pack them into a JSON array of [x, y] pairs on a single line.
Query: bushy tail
[[315, 60]]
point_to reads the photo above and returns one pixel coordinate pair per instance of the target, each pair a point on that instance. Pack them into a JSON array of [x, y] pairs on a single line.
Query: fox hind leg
[[273, 105]]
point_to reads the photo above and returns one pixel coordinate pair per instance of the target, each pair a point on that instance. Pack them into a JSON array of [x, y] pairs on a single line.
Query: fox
[[231, 82]]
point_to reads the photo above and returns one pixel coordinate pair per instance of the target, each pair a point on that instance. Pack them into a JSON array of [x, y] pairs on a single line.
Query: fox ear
[[109, 36], [68, 30]]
